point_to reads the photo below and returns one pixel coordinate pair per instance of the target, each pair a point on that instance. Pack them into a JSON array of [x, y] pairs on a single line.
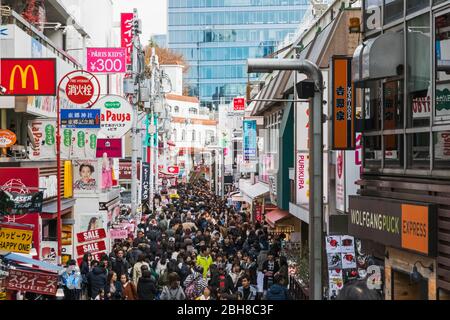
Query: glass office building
[[217, 36]]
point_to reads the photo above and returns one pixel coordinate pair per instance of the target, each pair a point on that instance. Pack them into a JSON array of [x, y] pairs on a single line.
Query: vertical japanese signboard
[[343, 104], [145, 181], [127, 34], [250, 140]]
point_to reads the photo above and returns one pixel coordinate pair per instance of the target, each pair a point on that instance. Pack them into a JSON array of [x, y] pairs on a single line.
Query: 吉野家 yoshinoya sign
[[393, 223], [30, 281], [107, 60], [116, 116], [343, 99], [80, 118], [28, 77], [15, 240]]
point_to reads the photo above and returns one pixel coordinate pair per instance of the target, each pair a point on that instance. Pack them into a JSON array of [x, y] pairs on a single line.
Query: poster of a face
[[85, 175], [91, 222], [334, 261]]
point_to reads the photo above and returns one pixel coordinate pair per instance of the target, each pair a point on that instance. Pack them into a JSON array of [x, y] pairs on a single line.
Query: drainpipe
[[315, 159]]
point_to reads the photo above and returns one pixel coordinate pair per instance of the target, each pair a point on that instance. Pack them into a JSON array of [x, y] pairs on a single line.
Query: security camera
[[2, 90]]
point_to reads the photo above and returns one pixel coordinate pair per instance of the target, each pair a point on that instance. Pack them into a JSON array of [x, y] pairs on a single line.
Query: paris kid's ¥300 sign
[[28, 77]]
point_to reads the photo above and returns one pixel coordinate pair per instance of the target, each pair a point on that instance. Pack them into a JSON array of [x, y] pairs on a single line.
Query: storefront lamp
[[355, 25], [416, 276], [59, 294]]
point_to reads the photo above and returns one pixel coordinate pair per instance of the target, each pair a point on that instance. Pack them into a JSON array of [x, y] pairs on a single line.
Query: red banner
[[91, 247], [28, 77], [93, 235], [29, 281], [126, 23], [97, 256], [125, 170]]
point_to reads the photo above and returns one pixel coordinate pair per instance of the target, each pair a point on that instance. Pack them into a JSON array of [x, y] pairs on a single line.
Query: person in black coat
[[146, 288], [113, 288], [222, 281], [269, 268], [96, 280], [120, 265]]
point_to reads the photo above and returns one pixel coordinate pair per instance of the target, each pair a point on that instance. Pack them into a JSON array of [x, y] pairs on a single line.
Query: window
[[176, 109], [183, 135], [419, 73], [372, 106], [49, 230], [442, 59], [393, 105], [174, 134], [393, 10], [415, 5], [393, 151], [193, 111], [194, 136], [372, 151]]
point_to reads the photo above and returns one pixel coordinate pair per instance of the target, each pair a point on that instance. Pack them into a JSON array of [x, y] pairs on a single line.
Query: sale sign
[[126, 32], [91, 247], [15, 240], [92, 235], [97, 256], [29, 281], [107, 60], [28, 77]]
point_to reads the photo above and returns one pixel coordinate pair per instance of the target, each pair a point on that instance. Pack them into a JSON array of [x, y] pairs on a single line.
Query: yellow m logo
[[23, 77]]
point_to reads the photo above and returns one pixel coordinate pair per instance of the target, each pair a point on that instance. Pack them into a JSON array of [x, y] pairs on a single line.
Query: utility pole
[[136, 76], [315, 157]]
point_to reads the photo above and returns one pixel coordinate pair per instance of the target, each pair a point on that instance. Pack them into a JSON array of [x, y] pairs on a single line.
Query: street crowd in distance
[[194, 247]]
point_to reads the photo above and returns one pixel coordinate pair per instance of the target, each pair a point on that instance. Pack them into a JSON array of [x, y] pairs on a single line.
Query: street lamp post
[[316, 159]]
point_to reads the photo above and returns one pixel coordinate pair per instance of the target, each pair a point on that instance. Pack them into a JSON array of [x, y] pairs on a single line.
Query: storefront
[[406, 115], [255, 196], [282, 222]]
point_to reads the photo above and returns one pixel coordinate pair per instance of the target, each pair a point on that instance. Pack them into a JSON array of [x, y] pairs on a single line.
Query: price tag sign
[[106, 60]]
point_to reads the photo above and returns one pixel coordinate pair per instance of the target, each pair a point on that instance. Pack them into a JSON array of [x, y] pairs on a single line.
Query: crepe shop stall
[[35, 279]]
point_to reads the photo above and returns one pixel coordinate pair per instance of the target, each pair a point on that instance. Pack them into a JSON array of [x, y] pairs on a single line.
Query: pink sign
[[126, 32], [118, 234], [107, 60], [112, 147]]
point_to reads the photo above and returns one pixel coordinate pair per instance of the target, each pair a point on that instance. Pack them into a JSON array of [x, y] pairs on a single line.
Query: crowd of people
[[195, 246]]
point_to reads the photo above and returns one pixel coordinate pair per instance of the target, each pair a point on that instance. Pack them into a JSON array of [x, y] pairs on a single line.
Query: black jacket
[[228, 282], [268, 280], [97, 280], [120, 267], [117, 295], [146, 289]]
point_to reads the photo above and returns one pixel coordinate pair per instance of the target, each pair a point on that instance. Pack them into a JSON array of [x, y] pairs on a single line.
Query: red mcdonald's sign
[[28, 77]]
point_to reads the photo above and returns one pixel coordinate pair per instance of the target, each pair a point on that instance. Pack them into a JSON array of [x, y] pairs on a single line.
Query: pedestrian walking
[[173, 291], [129, 290]]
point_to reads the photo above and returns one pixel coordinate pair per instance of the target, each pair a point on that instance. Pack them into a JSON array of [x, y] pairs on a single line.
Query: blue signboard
[[250, 140], [80, 118]]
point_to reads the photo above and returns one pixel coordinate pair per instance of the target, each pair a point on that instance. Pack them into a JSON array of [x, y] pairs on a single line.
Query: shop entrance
[[404, 289]]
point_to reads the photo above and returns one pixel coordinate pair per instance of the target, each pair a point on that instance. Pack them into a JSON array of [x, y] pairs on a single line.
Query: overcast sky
[[153, 14]]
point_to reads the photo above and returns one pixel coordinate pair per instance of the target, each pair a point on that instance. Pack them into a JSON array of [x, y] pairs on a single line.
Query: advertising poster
[[49, 252], [333, 244], [334, 261], [15, 240], [347, 244], [340, 181], [85, 175], [107, 173], [40, 283], [250, 140], [336, 283], [348, 260], [302, 178], [92, 222]]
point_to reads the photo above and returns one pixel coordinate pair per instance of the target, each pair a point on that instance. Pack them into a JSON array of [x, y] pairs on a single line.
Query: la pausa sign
[[116, 116]]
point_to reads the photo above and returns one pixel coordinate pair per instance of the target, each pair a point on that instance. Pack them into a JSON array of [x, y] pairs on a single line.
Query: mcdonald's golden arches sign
[[28, 77]]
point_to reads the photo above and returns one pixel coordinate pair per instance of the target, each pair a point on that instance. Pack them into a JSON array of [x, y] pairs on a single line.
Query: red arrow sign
[[93, 235], [91, 247]]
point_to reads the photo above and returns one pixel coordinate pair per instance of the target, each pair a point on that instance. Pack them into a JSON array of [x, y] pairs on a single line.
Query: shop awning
[[253, 191], [44, 266], [237, 198], [276, 215]]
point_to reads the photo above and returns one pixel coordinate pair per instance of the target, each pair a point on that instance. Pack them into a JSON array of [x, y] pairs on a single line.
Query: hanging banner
[[250, 140], [107, 60], [302, 178], [340, 181], [126, 32], [125, 170], [28, 77], [112, 148], [86, 175], [15, 240], [116, 116], [239, 104], [344, 113], [145, 181], [30, 281]]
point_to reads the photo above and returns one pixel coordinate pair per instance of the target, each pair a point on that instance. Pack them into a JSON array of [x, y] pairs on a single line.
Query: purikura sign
[[107, 60], [116, 116]]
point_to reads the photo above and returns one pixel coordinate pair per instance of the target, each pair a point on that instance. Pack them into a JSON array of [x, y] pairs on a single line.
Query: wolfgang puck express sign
[[409, 226]]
